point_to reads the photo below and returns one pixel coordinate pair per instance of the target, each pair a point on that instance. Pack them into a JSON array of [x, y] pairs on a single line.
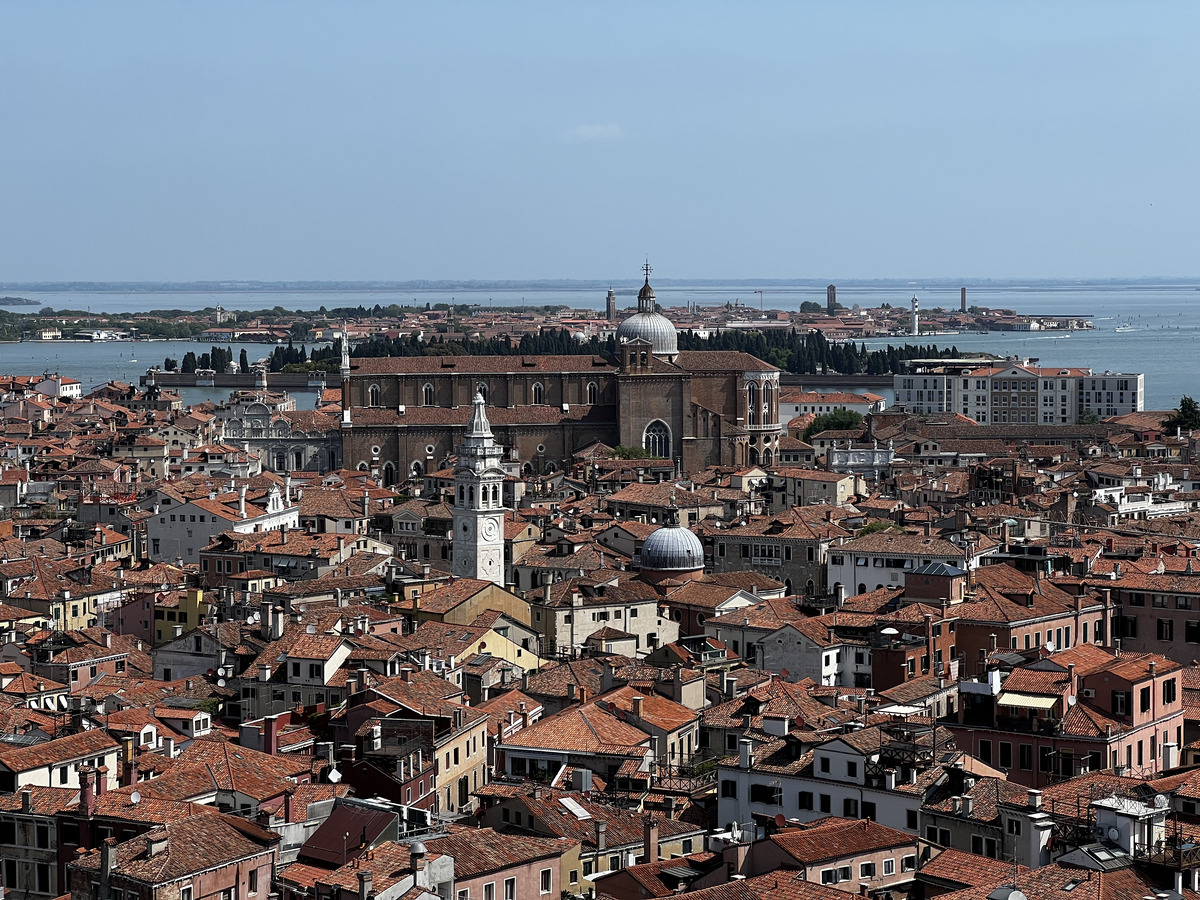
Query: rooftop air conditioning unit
[[1089, 693]]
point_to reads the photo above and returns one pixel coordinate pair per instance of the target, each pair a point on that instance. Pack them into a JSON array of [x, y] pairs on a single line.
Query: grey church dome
[[672, 548], [649, 325]]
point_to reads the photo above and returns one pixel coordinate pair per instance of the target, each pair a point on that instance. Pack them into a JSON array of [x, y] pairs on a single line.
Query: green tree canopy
[[1187, 417], [838, 420]]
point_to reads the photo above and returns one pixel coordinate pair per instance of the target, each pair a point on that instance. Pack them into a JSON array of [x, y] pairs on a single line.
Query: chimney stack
[[650, 840], [601, 843], [364, 884]]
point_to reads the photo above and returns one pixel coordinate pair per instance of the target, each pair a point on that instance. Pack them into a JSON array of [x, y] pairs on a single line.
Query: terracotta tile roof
[[193, 844], [89, 743], [482, 851], [952, 868], [586, 729], [833, 839], [658, 711]]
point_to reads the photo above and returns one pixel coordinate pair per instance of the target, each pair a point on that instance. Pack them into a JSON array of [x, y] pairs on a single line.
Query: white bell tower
[[478, 546]]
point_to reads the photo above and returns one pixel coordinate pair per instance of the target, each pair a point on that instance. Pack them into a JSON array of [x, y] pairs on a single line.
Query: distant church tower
[[345, 377], [478, 548], [610, 306], [916, 325]]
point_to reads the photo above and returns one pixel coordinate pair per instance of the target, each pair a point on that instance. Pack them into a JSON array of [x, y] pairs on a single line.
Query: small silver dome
[[672, 548], [653, 327]]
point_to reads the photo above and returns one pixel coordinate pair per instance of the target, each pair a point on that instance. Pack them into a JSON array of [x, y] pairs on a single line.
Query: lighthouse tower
[[916, 328], [478, 549]]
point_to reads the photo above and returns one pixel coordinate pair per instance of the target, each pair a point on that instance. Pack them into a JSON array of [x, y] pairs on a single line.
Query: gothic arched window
[[427, 395], [593, 393], [657, 440], [538, 393], [752, 404], [766, 403], [481, 389], [373, 391]]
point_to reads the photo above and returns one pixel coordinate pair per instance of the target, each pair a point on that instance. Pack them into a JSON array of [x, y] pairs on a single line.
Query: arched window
[[862, 588], [333, 461], [538, 393], [427, 395], [389, 474], [787, 586], [471, 496], [593, 393], [657, 440], [752, 404], [362, 467], [766, 403], [495, 495], [527, 469], [481, 389], [417, 470], [298, 459], [767, 457], [810, 588], [752, 456], [373, 391]]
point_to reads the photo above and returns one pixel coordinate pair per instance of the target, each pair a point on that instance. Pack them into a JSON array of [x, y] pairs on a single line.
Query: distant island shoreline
[[800, 285]]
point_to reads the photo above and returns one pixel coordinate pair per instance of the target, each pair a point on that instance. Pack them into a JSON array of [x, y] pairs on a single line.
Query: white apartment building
[[1018, 392], [180, 530]]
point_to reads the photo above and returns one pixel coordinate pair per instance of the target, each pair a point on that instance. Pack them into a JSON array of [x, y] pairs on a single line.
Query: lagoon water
[[1166, 319]]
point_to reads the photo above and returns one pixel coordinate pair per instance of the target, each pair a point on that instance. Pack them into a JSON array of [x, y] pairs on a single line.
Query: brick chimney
[[650, 840]]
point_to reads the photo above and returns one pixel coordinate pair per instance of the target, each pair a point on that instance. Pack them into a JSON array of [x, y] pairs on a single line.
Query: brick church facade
[[405, 415]]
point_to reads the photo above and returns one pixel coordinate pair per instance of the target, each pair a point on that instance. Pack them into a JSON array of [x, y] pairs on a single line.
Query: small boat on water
[[1123, 327]]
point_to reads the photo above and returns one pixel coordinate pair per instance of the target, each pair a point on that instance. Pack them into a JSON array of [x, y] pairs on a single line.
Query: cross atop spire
[[647, 270]]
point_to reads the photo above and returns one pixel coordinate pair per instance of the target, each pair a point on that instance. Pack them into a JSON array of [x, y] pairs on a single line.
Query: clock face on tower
[[489, 530]]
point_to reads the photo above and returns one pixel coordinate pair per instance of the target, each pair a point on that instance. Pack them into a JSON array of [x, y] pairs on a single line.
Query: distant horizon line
[[235, 285]]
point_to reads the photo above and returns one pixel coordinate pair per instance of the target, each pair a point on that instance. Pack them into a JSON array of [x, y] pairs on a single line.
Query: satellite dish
[[1113, 833], [889, 631], [303, 607], [1017, 895], [335, 776], [1071, 701], [780, 821], [220, 682], [1160, 801], [1049, 646], [135, 798], [311, 629]]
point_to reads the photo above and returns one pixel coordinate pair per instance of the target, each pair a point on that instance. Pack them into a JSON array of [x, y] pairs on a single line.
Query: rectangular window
[[850, 808], [826, 803], [866, 870], [545, 883], [1005, 755], [889, 867], [1166, 629], [805, 800], [868, 810], [1144, 699], [1168, 691], [253, 881], [729, 788], [769, 794], [510, 889]]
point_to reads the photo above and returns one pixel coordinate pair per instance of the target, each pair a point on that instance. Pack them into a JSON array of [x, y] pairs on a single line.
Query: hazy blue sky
[[521, 140]]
